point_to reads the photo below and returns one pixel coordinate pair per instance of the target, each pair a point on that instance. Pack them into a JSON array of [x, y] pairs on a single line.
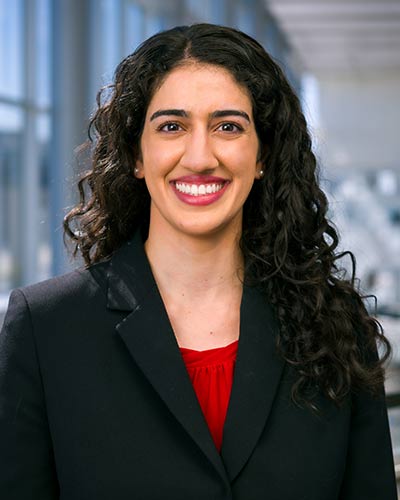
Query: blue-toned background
[[343, 58]]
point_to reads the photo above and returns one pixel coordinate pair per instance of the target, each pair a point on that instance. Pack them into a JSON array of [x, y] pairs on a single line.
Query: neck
[[195, 266]]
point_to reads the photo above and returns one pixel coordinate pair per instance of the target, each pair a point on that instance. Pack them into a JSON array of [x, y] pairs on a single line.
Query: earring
[[136, 170], [261, 173]]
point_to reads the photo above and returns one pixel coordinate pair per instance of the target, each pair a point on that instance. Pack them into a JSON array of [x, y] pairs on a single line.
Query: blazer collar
[[129, 276], [149, 337], [256, 379]]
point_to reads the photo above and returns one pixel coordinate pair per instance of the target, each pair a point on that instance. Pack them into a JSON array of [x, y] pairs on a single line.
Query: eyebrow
[[230, 112], [215, 114], [168, 112]]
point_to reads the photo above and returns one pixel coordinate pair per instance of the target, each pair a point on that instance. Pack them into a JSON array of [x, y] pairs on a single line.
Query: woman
[[212, 348]]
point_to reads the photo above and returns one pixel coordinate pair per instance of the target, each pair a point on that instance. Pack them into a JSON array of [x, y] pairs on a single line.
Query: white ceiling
[[352, 36]]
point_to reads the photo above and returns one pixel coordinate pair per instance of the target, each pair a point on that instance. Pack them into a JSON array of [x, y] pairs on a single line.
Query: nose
[[199, 154]]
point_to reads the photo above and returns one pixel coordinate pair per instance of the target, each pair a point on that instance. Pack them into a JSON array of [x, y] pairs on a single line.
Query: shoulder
[[69, 290]]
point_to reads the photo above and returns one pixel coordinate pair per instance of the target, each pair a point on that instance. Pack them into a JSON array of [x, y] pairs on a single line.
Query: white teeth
[[198, 190]]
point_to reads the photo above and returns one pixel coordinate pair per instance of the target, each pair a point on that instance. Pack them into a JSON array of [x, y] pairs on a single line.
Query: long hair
[[289, 245]]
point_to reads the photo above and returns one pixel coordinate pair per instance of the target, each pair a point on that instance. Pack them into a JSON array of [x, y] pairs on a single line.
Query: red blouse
[[211, 373]]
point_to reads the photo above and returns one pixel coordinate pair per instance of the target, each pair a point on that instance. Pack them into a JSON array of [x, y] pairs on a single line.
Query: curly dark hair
[[289, 245]]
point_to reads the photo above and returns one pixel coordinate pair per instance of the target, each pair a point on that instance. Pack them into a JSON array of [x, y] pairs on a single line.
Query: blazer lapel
[[257, 375], [149, 337]]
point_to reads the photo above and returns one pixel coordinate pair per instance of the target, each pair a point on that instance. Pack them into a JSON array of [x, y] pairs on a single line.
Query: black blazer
[[96, 404]]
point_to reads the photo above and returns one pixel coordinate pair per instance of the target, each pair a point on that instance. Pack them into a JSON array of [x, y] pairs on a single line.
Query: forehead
[[200, 85]]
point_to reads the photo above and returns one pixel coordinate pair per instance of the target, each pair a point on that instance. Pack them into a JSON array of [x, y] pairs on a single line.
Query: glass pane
[[11, 128], [394, 421], [11, 48], [154, 24], [218, 10], [200, 10], [271, 38], [44, 255], [245, 16], [111, 37], [364, 216], [134, 27], [43, 52]]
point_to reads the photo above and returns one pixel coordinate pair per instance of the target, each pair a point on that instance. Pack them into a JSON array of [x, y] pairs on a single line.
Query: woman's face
[[199, 152]]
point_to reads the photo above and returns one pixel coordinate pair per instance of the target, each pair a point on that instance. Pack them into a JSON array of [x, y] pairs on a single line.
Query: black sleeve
[[27, 469], [370, 471]]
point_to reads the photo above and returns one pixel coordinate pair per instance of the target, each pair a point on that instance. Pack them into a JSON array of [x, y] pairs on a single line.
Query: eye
[[169, 127], [230, 127]]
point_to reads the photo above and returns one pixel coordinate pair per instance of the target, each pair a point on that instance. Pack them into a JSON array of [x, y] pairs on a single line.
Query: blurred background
[[341, 56]]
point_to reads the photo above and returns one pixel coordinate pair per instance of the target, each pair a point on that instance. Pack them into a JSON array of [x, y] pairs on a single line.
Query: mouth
[[199, 191]]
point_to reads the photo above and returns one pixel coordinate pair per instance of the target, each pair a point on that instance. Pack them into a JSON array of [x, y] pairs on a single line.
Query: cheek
[[246, 163], [159, 158], [167, 157]]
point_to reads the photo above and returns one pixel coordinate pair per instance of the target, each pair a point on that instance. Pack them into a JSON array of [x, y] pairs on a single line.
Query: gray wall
[[359, 121]]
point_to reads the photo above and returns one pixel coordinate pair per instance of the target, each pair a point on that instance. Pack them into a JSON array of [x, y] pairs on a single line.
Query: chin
[[210, 230]]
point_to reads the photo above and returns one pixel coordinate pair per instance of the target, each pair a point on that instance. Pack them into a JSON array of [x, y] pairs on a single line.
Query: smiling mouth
[[199, 189]]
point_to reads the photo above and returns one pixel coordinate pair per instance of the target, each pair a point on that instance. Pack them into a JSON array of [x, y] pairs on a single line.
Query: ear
[[138, 171], [260, 165], [259, 170]]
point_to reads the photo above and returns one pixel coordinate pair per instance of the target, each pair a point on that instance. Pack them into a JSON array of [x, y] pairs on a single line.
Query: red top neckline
[[212, 349], [210, 356], [211, 373]]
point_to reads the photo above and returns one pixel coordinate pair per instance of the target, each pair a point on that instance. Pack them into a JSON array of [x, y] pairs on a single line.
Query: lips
[[199, 190]]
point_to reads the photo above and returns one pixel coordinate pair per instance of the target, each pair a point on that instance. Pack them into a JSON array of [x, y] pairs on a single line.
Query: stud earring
[[261, 173], [136, 170]]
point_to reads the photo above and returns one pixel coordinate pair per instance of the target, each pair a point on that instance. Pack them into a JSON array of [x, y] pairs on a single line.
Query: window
[[24, 138], [246, 16], [134, 26]]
